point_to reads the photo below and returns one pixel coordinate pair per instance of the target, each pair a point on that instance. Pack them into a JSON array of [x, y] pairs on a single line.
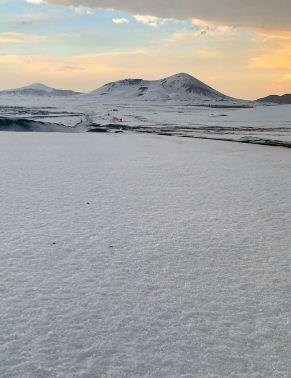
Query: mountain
[[177, 87], [38, 89], [285, 99]]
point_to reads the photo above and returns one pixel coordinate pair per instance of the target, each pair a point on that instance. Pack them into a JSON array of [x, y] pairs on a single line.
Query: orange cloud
[[273, 58], [11, 37]]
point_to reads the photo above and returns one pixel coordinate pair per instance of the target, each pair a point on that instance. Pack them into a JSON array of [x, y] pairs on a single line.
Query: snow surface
[[186, 118], [171, 259]]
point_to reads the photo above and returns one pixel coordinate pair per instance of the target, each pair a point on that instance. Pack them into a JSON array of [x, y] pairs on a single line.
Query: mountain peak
[[178, 87], [181, 75], [38, 87]]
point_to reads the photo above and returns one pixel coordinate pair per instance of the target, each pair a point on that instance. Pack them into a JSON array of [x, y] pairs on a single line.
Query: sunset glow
[[244, 51]]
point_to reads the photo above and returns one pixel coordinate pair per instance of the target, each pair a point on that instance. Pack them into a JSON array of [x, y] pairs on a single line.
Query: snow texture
[[212, 120], [129, 256]]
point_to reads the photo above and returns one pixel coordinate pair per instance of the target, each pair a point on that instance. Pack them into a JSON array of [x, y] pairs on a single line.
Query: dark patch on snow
[[27, 125], [130, 81], [142, 91], [98, 130]]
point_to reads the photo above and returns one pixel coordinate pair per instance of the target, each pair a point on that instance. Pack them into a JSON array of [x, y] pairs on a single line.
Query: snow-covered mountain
[[275, 99], [177, 87], [38, 89]]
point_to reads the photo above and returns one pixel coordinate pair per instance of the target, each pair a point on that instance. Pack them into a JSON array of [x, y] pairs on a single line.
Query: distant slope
[[177, 87], [282, 100], [38, 89]]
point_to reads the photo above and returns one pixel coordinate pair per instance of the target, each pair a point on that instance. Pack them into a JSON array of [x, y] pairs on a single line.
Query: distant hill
[[177, 87], [38, 89], [282, 100]]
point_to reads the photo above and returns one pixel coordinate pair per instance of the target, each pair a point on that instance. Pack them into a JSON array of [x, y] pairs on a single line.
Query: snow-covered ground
[[130, 256], [260, 123]]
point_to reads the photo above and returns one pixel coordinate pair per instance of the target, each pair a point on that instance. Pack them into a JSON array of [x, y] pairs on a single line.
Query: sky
[[241, 48]]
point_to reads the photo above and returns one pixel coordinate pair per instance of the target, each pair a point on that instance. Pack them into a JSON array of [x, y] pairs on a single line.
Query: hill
[[282, 100], [177, 87], [38, 89]]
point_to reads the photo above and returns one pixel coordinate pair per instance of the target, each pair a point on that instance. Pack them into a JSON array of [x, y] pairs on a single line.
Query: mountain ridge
[[277, 99], [181, 86], [39, 89], [178, 87]]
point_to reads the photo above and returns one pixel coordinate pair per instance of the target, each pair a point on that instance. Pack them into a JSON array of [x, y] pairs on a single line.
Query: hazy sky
[[240, 47]]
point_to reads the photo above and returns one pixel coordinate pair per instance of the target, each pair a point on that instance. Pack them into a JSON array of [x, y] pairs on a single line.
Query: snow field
[[171, 257]]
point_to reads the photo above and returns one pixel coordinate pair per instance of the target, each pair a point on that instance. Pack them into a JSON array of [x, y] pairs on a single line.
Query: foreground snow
[[170, 258]]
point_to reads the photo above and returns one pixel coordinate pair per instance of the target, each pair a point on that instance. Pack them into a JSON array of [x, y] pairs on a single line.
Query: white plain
[[170, 259]]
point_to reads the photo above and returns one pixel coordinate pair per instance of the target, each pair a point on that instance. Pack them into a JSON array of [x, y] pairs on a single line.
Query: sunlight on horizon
[[83, 47]]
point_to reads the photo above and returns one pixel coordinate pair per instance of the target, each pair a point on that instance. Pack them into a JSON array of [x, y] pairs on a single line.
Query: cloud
[[121, 20], [8, 37], [83, 10], [36, 1], [200, 30], [149, 20], [274, 14]]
